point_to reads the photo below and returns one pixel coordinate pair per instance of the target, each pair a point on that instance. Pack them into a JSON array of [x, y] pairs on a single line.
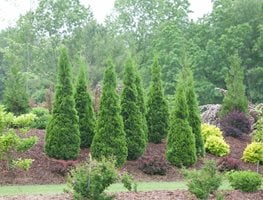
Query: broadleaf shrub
[[42, 117], [203, 182], [245, 181], [217, 146], [153, 165], [228, 163], [208, 130], [253, 153], [235, 124]]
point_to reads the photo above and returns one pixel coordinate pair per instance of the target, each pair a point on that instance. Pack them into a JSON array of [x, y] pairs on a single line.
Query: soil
[[45, 170]]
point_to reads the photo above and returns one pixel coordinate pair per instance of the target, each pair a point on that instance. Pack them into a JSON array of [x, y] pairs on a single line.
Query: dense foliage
[[253, 153], [62, 140], [84, 109], [217, 146], [110, 138], [132, 115]]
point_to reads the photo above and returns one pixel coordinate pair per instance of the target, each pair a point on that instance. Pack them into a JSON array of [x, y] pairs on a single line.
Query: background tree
[[131, 114], [180, 149], [110, 138], [62, 139], [16, 98], [235, 99], [84, 109], [157, 109]]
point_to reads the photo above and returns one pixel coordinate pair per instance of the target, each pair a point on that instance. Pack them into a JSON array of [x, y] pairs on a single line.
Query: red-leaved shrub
[[153, 165], [228, 163]]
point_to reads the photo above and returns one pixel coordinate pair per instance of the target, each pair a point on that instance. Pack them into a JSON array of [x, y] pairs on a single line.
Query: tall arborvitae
[[110, 138], [16, 99], [180, 149], [62, 138], [194, 118], [131, 114], [141, 102], [235, 98], [84, 109], [157, 109]]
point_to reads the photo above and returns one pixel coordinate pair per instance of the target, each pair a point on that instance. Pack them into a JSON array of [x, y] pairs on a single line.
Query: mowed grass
[[117, 187]]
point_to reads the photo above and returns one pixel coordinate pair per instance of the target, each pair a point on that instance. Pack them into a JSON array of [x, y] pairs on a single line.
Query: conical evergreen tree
[[62, 138], [110, 138], [180, 149], [235, 98], [131, 114], [194, 117], [85, 110], [16, 98], [157, 109]]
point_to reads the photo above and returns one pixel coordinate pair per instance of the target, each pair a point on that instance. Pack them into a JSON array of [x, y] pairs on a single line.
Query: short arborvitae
[[110, 138], [16, 99], [131, 114], [85, 110], [62, 138], [235, 99], [194, 118], [180, 149], [157, 109]]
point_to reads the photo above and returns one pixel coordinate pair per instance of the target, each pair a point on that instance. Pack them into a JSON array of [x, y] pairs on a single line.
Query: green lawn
[[118, 187]]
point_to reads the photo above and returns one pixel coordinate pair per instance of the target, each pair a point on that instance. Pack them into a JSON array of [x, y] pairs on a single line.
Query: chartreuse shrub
[[24, 120], [217, 146], [131, 114], [253, 153], [180, 150], [62, 139], [245, 181], [89, 180], [42, 117], [208, 130], [203, 182], [110, 138], [258, 133], [157, 115], [85, 110]]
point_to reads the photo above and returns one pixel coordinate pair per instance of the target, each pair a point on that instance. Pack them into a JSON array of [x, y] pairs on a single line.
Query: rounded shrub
[[245, 181], [217, 146], [253, 153], [228, 163], [208, 130], [24, 120]]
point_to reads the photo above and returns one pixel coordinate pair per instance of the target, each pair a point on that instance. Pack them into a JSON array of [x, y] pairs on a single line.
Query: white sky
[[11, 9]]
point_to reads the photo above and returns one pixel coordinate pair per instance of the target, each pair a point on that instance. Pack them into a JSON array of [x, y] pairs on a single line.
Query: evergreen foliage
[[16, 98], [62, 138], [235, 98], [85, 110], [131, 114], [194, 118], [157, 109], [110, 138], [180, 150]]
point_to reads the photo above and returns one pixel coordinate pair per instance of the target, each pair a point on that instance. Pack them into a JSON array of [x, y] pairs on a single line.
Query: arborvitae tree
[[16, 98], [141, 102], [235, 98], [157, 109], [131, 114], [110, 138], [62, 138], [194, 117], [85, 110], [180, 149]]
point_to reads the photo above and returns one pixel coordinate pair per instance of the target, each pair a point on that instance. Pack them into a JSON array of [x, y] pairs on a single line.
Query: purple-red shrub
[[235, 124], [227, 163], [153, 165]]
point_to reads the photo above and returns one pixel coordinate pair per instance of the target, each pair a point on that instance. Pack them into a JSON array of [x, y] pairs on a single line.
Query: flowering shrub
[[153, 165], [217, 146], [235, 124], [227, 164]]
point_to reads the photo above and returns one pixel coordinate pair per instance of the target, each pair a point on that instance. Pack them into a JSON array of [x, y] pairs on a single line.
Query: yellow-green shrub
[[25, 120], [23, 164], [210, 130], [217, 146], [253, 153]]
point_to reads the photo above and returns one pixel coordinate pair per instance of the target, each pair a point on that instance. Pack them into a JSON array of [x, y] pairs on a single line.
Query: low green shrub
[[217, 146], [42, 117], [25, 120], [253, 153], [245, 181], [208, 130], [203, 182], [128, 182], [258, 133], [23, 164]]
